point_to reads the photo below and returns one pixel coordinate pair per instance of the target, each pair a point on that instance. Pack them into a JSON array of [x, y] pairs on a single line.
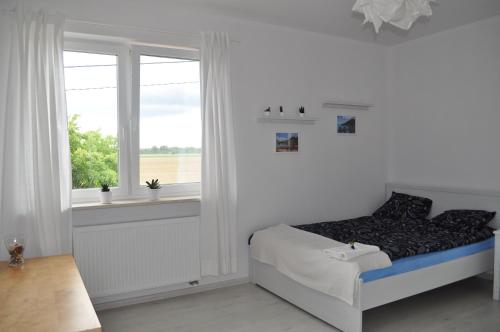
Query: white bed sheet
[[299, 255]]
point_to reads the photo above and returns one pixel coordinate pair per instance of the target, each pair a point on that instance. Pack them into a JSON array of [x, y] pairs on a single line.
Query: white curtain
[[35, 173], [218, 183]]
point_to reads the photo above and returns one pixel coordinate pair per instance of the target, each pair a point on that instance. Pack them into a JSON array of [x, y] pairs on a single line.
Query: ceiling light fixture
[[400, 13]]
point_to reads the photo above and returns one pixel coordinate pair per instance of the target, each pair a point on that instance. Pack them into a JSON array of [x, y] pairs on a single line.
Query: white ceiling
[[336, 18]]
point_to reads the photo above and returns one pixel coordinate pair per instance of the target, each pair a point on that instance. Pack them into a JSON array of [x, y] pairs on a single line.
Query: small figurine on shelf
[[302, 111], [267, 111], [281, 111]]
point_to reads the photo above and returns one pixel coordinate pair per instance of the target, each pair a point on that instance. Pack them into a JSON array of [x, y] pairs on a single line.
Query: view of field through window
[[170, 120]]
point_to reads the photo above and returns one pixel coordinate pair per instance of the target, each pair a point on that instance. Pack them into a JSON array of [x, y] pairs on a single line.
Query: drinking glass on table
[[15, 247]]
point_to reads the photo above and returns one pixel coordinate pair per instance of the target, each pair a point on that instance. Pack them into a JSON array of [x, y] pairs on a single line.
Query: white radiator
[[121, 258]]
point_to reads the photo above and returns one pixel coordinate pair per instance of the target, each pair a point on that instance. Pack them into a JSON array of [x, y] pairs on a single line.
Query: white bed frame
[[382, 291]]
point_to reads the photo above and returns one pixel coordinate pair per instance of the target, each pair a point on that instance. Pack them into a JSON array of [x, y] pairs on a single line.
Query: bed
[[406, 277]]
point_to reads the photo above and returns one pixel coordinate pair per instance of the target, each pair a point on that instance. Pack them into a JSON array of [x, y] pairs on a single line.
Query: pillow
[[401, 206], [463, 218]]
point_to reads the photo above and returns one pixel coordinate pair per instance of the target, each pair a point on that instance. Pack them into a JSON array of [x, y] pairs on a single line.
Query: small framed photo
[[287, 142], [346, 124]]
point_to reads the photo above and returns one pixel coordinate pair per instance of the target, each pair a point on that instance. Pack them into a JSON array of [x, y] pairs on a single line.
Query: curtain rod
[[184, 34]]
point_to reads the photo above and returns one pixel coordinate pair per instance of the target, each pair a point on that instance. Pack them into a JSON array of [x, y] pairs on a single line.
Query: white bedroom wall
[[444, 93], [332, 177]]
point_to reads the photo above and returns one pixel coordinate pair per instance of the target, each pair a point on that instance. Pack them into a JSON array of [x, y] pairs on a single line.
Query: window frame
[[167, 190], [128, 116]]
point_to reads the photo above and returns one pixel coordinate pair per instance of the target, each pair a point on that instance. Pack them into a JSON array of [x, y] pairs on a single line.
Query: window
[[170, 122], [134, 114], [92, 105]]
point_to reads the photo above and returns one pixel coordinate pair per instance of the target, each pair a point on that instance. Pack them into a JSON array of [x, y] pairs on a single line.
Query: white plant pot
[[106, 197], [154, 194]]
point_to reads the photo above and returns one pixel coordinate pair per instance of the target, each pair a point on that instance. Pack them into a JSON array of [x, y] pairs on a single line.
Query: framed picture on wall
[[287, 142], [346, 124]]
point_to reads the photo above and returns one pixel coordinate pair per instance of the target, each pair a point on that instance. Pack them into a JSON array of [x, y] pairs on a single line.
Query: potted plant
[[153, 189], [302, 111], [106, 194]]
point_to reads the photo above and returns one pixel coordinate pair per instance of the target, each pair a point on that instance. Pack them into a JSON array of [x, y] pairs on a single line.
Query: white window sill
[[134, 202]]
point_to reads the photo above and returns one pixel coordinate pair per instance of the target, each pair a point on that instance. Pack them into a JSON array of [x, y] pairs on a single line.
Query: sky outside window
[[91, 91], [170, 102]]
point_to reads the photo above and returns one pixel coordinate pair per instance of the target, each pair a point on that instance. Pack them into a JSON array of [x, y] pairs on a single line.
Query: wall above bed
[[444, 102]]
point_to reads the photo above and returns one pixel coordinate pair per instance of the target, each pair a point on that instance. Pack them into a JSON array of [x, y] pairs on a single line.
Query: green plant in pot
[[153, 189], [106, 193]]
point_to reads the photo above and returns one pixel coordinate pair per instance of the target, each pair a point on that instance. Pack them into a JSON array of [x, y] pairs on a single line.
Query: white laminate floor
[[463, 306]]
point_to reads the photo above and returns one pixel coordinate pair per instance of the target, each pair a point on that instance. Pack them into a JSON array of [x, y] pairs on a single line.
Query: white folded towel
[[346, 252]]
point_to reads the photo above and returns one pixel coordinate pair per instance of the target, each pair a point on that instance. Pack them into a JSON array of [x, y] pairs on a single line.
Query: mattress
[[416, 262]]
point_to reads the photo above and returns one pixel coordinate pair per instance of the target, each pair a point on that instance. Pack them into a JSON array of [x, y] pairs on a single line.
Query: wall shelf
[[287, 119], [350, 105]]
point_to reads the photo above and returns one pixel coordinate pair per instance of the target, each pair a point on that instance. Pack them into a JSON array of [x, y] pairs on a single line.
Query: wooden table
[[46, 294]]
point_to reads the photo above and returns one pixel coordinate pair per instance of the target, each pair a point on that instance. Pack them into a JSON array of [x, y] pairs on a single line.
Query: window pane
[[92, 103], [170, 123]]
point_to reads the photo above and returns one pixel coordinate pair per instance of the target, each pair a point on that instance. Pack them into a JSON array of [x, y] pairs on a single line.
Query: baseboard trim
[[102, 304]]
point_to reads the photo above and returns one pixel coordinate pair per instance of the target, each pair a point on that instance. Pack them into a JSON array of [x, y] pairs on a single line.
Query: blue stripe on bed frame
[[416, 262]]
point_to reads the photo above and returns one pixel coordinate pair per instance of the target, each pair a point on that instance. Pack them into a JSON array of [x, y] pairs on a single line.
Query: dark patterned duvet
[[399, 238]]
